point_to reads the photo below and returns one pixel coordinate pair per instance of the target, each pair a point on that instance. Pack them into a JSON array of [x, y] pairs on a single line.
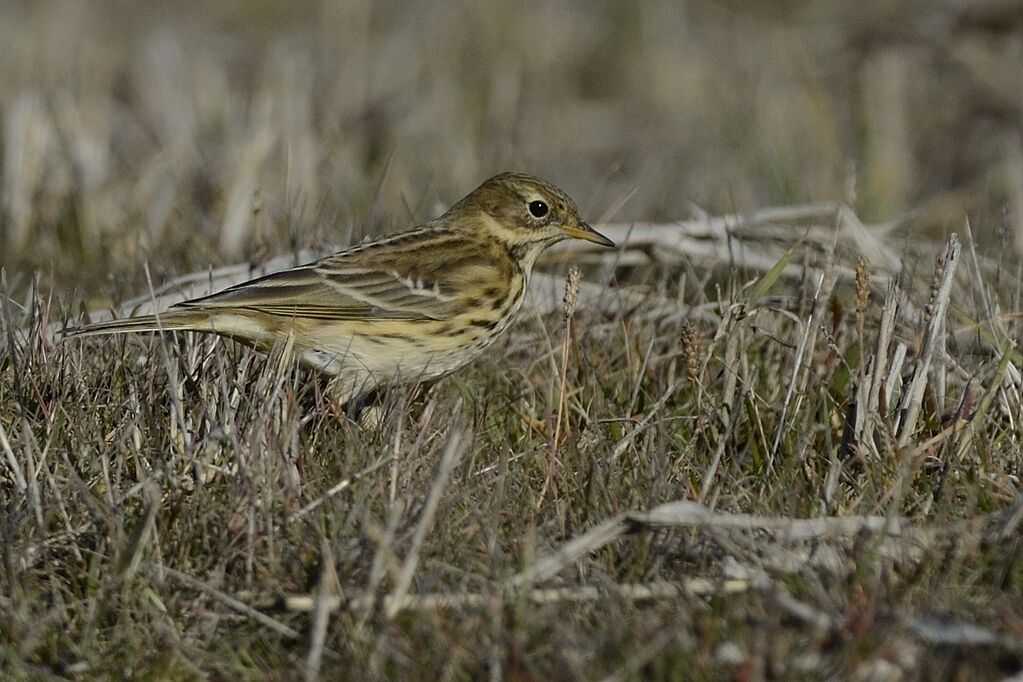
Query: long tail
[[170, 321]]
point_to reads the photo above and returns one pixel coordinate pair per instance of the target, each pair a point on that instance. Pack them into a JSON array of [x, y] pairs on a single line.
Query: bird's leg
[[365, 409]]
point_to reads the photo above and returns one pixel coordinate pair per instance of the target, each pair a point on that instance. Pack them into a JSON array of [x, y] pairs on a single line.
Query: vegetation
[[780, 444]]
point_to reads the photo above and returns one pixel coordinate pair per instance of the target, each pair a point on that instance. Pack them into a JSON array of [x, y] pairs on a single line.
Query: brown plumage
[[407, 307]]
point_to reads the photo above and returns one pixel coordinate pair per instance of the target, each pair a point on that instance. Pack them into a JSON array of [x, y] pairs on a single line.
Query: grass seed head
[[571, 292], [691, 352]]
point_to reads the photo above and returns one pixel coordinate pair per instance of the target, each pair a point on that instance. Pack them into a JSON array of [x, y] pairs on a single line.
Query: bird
[[406, 308]]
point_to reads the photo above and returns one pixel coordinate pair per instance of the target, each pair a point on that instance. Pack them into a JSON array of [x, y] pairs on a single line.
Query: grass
[[181, 507], [169, 508]]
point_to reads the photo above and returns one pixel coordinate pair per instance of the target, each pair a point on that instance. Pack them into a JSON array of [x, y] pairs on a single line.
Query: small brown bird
[[408, 307]]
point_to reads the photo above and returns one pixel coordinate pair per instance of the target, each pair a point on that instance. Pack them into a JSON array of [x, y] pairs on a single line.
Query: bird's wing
[[427, 275]]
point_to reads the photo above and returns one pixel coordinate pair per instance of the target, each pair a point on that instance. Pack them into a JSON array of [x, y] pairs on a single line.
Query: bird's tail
[[170, 321]]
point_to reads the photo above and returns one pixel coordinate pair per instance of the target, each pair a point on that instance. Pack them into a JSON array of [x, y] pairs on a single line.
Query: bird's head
[[524, 213]]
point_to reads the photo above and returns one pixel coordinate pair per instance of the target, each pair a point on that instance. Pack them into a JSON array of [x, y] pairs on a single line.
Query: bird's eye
[[538, 209]]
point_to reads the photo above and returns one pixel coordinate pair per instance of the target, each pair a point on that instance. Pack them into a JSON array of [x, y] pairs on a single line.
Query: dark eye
[[538, 209]]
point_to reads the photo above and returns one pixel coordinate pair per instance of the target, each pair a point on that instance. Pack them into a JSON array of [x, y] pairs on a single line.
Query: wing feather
[[425, 274]]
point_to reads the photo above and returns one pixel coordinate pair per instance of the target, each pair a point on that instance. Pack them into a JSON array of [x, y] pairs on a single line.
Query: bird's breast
[[381, 351]]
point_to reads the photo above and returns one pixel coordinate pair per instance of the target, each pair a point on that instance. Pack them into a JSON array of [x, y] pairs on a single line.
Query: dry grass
[[777, 444]]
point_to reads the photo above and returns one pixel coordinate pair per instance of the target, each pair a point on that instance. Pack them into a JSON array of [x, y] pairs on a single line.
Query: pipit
[[405, 308]]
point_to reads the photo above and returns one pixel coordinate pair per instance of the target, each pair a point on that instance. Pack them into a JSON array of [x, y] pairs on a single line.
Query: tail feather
[[174, 321]]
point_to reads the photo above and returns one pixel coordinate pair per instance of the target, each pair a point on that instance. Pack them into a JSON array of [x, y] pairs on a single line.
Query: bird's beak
[[587, 233]]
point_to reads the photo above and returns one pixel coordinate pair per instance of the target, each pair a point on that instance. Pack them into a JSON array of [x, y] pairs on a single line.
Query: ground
[[783, 449]]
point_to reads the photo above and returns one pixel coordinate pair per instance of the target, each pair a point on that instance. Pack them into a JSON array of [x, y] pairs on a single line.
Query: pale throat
[[529, 255], [527, 252]]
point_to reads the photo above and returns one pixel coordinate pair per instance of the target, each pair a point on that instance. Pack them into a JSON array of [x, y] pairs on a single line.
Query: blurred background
[[186, 134]]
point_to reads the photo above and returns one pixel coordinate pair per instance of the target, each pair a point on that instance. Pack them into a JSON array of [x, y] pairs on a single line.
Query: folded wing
[[424, 276]]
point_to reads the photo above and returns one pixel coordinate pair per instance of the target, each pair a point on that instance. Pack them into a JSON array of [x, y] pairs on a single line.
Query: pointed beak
[[587, 233]]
